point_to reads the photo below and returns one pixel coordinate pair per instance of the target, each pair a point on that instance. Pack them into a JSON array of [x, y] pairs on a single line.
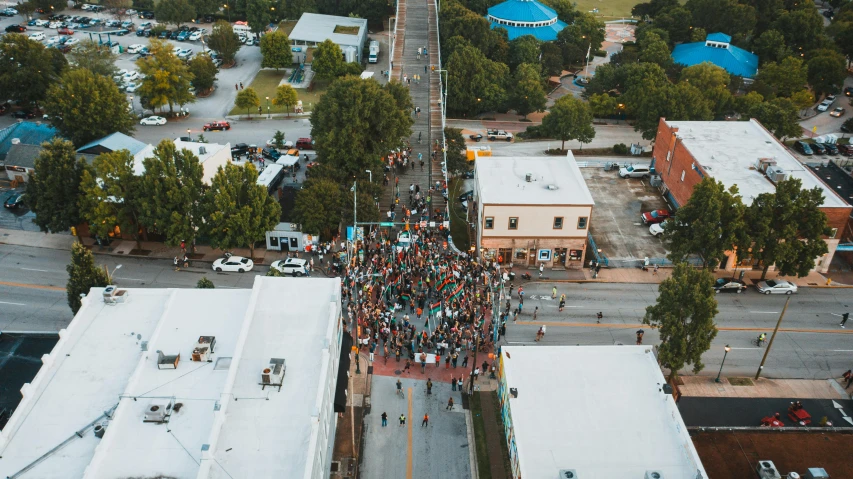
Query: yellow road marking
[[32, 286], [409, 453], [723, 328]]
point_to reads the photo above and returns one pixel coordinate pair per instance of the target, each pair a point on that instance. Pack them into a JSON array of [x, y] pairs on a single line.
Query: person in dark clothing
[[384, 419]]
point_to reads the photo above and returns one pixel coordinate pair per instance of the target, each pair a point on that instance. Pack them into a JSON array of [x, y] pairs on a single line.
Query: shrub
[[620, 149]]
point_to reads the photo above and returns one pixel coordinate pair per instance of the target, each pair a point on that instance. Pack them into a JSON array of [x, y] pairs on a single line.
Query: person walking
[[399, 388], [535, 312], [554, 292], [447, 362], [177, 266], [402, 420], [384, 419], [423, 358], [408, 367], [453, 383], [476, 374], [449, 405], [844, 318], [429, 386], [372, 349], [599, 317], [241, 85], [541, 269], [848, 375], [425, 422], [640, 336], [562, 301], [465, 361]]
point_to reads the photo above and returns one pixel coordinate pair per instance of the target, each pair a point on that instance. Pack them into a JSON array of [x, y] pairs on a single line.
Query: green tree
[[174, 11], [204, 71], [585, 34], [285, 95], [53, 189], [278, 139], [224, 42], [524, 49], [84, 107], [457, 161], [779, 116], [677, 23], [786, 228], [167, 79], [83, 275], [827, 70], [274, 273], [27, 69], [713, 82], [96, 58], [295, 8], [527, 94], [318, 206], [730, 16], [275, 48], [239, 211], [602, 105], [171, 192], [206, 7], [552, 59], [674, 102], [684, 316], [746, 104], [328, 60], [801, 28], [117, 8], [248, 99], [653, 49], [476, 84], [565, 9], [569, 119], [110, 194], [770, 46], [783, 78], [258, 14], [205, 283], [708, 225], [356, 123]]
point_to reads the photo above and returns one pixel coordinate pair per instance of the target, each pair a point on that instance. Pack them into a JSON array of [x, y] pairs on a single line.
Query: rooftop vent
[[202, 150], [568, 474], [204, 348], [273, 375], [157, 412], [528, 177], [654, 475], [16, 141], [552, 187], [167, 362], [767, 470]]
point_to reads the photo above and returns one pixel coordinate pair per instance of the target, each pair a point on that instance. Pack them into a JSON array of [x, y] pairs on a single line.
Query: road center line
[[33, 269], [33, 286], [764, 312], [14, 304]]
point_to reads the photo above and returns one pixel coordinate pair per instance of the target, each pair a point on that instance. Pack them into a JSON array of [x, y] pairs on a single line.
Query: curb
[[472, 448]]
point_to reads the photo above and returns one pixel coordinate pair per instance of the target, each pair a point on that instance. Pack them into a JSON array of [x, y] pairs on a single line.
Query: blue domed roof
[[523, 11]]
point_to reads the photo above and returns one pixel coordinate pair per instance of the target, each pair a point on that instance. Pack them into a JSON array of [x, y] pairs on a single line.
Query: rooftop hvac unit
[[204, 348], [763, 163], [157, 412], [654, 475], [113, 295], [273, 375], [568, 474], [528, 177], [776, 174], [767, 470]]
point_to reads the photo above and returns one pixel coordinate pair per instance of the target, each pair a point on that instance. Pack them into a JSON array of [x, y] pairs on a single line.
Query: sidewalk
[[704, 386], [345, 454]]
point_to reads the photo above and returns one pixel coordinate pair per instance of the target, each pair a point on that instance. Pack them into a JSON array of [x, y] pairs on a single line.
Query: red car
[[305, 144], [217, 125], [65, 31], [655, 216]]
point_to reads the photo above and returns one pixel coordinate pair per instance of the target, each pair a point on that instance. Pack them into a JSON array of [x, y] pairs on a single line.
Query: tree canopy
[[569, 119], [224, 42], [275, 48], [527, 94], [247, 98], [110, 193], [285, 95], [457, 161], [204, 71], [83, 275], [318, 206], [328, 60], [98, 59], [54, 187], [167, 79], [27, 68], [174, 11]]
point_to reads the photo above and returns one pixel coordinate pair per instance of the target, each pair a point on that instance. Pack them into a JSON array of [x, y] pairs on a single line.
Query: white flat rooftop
[[597, 410], [730, 150], [314, 27], [107, 361], [555, 180]]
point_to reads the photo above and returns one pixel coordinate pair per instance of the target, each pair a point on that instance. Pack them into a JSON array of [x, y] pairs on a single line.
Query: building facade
[[313, 29], [532, 211], [742, 154]]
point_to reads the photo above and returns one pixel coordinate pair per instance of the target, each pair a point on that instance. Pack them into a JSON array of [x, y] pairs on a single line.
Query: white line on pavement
[[842, 350], [39, 270], [764, 312], [129, 279], [15, 304]]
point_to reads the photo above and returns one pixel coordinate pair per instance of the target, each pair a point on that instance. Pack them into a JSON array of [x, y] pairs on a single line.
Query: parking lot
[[616, 225]]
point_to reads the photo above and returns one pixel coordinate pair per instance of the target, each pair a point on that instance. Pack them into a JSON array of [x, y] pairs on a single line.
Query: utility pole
[[767, 351]]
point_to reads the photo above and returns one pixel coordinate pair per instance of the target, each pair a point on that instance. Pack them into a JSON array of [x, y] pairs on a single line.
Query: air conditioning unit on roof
[[273, 375], [204, 348], [157, 412], [767, 470], [776, 174]]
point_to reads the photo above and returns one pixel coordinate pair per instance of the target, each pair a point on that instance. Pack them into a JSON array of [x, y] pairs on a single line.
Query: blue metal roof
[[29, 133], [543, 34], [719, 37], [523, 11], [734, 60], [114, 142]]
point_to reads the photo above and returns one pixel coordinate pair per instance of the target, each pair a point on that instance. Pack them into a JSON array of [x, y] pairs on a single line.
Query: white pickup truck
[[493, 135]]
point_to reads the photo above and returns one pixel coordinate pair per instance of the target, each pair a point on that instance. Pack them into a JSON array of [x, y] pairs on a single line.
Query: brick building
[[532, 211], [741, 153]]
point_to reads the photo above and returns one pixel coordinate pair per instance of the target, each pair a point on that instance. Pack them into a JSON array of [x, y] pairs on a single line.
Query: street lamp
[[229, 12], [268, 108], [722, 363], [369, 173], [110, 275], [189, 135]]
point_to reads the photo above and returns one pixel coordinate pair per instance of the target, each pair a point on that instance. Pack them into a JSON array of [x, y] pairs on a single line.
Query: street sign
[[390, 225]]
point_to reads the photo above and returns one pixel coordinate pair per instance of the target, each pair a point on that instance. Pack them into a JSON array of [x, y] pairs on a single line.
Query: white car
[[284, 146], [42, 23], [656, 229], [824, 105], [184, 54], [194, 36], [776, 286], [54, 25], [404, 241], [132, 88], [37, 36], [54, 40], [130, 12], [292, 266], [233, 263], [72, 41], [153, 120], [176, 50], [130, 76], [635, 171], [135, 48]]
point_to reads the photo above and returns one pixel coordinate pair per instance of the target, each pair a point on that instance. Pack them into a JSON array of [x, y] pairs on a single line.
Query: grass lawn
[[612, 9], [458, 222], [265, 84]]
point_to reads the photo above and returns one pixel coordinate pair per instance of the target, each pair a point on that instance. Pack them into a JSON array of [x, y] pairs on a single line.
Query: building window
[[513, 223], [575, 254], [490, 222], [520, 254], [558, 222], [582, 222], [682, 175]]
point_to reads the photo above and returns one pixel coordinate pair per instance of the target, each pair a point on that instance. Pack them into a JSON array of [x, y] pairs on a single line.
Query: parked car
[[285, 145], [270, 154], [777, 286], [635, 171], [182, 36], [724, 285], [185, 54], [846, 150], [837, 112], [37, 36], [233, 263], [153, 120], [656, 229], [65, 31], [133, 87], [305, 143], [163, 35], [122, 32], [847, 126], [14, 201], [477, 137], [135, 48], [291, 266], [42, 23], [818, 148], [826, 103], [194, 36], [130, 76], [24, 114], [216, 125], [803, 148], [848, 91], [655, 216], [16, 29], [831, 149], [493, 135]]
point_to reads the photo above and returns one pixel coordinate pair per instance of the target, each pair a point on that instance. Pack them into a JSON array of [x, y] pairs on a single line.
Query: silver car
[[635, 171], [776, 286]]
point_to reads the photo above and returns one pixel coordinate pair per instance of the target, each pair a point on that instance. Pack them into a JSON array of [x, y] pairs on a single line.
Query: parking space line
[[13, 304]]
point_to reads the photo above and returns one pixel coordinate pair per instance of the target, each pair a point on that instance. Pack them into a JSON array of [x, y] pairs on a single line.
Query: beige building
[[532, 211]]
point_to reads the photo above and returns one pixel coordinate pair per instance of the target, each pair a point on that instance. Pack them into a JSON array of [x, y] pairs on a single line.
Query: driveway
[[616, 226]]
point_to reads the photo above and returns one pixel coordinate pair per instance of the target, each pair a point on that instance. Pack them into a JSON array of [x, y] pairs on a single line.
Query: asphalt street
[[439, 449], [743, 412]]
